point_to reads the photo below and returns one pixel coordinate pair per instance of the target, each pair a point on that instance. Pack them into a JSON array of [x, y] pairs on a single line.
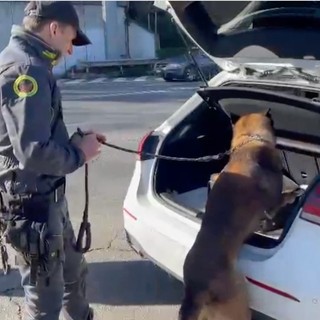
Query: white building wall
[[92, 24], [141, 41], [138, 38], [111, 46]]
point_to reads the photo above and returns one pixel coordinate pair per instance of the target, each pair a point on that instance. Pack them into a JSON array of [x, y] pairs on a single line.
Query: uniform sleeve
[[26, 109]]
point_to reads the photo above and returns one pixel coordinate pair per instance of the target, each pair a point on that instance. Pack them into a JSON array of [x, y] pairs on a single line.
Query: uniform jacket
[[32, 157]]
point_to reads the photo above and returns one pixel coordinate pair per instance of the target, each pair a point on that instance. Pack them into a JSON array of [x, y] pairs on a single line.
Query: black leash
[[218, 156], [209, 158], [85, 227]]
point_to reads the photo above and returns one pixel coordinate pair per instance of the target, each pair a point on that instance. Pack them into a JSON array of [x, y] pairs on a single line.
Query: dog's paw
[[290, 197], [214, 177]]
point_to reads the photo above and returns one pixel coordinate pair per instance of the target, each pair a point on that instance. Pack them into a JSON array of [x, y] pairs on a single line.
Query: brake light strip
[[129, 214], [273, 290]]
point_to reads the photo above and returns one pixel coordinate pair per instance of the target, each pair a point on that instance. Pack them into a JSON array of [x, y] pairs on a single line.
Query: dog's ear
[[267, 113]]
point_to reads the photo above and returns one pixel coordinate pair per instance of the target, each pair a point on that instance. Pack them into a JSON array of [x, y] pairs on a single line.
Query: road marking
[[120, 80], [144, 78], [147, 79], [61, 81], [98, 80], [76, 81], [120, 94], [185, 88], [134, 93]]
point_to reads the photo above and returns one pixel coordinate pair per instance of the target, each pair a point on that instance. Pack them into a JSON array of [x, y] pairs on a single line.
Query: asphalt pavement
[[121, 286]]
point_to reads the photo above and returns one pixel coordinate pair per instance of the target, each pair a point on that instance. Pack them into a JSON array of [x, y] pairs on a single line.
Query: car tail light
[[148, 144], [142, 143], [311, 207]]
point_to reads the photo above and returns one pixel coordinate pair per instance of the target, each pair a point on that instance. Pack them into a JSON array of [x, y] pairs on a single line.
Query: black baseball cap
[[62, 11]]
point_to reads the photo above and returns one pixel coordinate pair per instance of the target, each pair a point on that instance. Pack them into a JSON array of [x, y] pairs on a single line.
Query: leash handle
[[85, 230], [85, 227]]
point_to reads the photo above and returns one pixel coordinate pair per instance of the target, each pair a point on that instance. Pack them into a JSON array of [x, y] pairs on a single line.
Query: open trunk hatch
[[238, 32], [296, 120], [208, 130]]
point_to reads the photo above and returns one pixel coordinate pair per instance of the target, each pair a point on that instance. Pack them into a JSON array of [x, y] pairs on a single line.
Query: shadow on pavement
[[10, 284], [132, 283], [117, 283]]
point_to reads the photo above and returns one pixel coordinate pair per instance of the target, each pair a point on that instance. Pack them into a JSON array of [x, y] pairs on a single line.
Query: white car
[[269, 55]]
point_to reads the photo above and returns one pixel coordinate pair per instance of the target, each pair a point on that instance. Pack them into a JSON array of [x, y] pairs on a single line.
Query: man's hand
[[89, 145], [101, 137], [89, 142]]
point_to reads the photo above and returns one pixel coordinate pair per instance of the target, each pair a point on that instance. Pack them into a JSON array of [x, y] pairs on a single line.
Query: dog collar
[[251, 138]]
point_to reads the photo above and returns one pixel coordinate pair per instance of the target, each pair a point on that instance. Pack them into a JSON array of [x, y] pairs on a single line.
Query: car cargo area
[[208, 131]]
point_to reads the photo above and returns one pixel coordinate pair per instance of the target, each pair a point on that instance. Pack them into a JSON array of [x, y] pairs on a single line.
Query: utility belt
[[24, 224], [54, 195]]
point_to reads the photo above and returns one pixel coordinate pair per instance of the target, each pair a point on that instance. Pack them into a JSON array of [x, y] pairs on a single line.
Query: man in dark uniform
[[36, 154]]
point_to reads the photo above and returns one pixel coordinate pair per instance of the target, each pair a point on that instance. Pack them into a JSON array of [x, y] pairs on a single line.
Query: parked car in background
[[183, 68]]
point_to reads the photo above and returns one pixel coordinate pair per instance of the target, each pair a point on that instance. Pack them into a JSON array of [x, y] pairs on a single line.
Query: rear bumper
[[281, 281], [134, 244], [276, 290]]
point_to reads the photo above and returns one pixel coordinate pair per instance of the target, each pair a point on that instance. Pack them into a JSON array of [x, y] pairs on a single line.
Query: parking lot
[[120, 285]]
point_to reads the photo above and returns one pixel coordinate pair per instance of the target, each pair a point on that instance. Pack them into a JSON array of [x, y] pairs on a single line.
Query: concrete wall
[[141, 42], [138, 37], [108, 39], [92, 24]]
